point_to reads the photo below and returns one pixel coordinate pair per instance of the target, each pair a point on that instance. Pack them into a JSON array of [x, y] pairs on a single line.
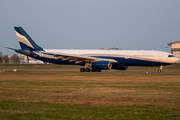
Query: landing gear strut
[[87, 68]]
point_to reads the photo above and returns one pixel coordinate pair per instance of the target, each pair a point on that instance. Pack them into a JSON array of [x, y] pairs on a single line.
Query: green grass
[[88, 95], [42, 110]]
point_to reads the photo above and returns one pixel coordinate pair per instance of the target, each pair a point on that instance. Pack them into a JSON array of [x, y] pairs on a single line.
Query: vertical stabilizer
[[25, 40]]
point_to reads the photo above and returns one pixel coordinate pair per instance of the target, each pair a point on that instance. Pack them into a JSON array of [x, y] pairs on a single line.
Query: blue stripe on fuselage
[[50, 60], [133, 62], [121, 61]]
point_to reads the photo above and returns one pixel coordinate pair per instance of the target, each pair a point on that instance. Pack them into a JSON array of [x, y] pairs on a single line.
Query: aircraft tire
[[159, 71], [87, 70], [82, 70]]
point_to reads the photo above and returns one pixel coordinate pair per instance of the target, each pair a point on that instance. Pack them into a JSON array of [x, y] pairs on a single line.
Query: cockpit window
[[171, 56]]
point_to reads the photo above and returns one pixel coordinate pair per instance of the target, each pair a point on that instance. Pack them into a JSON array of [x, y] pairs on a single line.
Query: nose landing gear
[[159, 71], [160, 68]]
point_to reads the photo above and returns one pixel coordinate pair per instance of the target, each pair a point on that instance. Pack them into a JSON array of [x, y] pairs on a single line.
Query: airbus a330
[[92, 60]]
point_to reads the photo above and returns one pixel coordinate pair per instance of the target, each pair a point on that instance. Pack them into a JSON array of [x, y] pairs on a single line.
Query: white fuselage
[[155, 56]]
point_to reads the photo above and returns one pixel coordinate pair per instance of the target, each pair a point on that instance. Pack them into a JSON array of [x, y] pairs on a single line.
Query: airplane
[[93, 60]]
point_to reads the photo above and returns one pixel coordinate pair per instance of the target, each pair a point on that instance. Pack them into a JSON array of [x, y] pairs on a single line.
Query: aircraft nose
[[176, 60]]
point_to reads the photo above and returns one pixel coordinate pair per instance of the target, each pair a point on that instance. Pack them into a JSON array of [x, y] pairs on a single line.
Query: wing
[[78, 58]]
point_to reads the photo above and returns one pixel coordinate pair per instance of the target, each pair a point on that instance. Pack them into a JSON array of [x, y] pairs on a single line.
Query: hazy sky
[[91, 24]]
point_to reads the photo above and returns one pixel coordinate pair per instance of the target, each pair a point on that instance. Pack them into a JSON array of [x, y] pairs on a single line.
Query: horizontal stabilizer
[[25, 52]]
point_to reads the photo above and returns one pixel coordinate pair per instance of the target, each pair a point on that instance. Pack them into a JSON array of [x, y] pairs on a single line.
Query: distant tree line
[[5, 59]]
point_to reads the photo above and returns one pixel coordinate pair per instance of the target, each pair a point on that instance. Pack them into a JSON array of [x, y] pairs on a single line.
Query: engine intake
[[103, 65]]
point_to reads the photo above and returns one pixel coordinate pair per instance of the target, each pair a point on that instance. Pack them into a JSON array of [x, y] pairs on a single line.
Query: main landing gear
[[88, 70], [160, 68]]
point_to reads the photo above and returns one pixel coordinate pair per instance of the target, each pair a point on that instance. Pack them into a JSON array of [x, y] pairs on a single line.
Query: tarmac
[[128, 72]]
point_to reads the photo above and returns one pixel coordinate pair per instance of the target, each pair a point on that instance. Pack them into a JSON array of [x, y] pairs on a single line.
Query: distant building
[[11, 59], [1, 54], [114, 48], [24, 59], [175, 49]]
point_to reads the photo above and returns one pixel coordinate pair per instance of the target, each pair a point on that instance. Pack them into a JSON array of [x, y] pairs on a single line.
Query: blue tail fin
[[25, 40]]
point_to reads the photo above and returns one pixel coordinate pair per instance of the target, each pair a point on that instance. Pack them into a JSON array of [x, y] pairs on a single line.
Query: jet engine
[[102, 65]]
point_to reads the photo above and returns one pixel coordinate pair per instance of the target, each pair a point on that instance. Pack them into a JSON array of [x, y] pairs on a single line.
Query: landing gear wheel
[[87, 70], [82, 70], [159, 71]]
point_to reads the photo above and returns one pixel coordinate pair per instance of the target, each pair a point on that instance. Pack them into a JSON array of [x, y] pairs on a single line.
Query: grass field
[[54, 67], [88, 95]]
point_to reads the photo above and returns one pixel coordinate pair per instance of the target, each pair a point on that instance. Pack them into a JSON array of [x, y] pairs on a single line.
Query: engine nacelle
[[103, 65]]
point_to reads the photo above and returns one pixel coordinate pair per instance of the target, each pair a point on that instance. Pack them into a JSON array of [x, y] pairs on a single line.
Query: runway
[[128, 72]]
